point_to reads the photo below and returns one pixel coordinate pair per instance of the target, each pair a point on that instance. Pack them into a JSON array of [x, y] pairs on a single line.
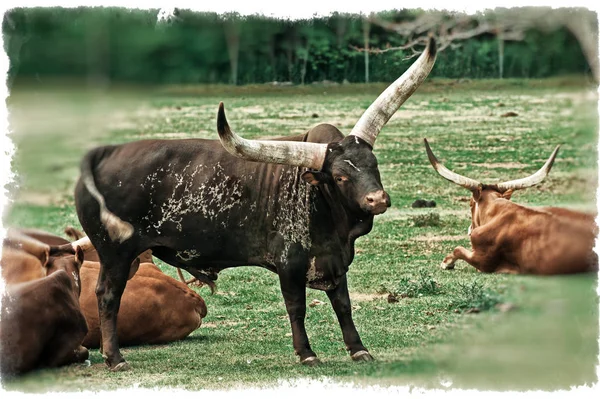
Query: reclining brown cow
[[155, 308], [511, 238], [41, 323]]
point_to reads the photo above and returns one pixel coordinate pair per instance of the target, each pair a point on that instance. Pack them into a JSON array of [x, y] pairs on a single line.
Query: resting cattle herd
[[511, 238], [41, 323], [155, 309], [294, 205]]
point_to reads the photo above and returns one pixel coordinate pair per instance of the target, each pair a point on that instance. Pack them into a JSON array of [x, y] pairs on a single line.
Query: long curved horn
[[376, 116], [448, 174], [532, 180], [309, 155]]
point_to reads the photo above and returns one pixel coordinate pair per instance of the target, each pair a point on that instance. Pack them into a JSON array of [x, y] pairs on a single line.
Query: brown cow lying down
[[511, 238], [41, 322], [155, 308]]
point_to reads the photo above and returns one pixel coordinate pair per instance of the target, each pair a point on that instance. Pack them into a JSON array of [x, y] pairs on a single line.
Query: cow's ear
[[135, 265], [508, 193], [477, 193], [313, 177], [79, 254]]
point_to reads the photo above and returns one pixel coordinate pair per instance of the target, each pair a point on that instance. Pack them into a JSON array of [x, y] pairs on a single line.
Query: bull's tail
[[118, 230]]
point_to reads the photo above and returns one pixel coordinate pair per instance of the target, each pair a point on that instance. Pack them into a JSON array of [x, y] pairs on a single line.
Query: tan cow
[[41, 322], [512, 238], [155, 308]]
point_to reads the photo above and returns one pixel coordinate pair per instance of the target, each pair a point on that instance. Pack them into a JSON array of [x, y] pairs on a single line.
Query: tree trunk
[[366, 31], [587, 37], [232, 37], [500, 55], [304, 62]]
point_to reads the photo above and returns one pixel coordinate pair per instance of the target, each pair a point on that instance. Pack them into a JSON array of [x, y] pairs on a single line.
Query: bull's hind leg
[[111, 283], [340, 300]]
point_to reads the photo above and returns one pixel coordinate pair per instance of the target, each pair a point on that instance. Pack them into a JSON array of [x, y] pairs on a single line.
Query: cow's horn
[[532, 180], [448, 174], [309, 155], [376, 116]]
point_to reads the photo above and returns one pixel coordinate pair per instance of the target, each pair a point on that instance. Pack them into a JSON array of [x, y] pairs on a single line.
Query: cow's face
[[67, 262], [481, 196], [351, 169]]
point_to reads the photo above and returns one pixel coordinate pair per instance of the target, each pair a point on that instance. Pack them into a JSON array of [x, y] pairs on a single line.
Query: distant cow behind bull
[[511, 238]]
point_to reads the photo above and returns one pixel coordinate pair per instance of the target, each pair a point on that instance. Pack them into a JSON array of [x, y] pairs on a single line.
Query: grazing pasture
[[422, 324]]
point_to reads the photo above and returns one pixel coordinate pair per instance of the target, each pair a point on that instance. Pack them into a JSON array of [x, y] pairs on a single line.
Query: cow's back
[[155, 308], [18, 266]]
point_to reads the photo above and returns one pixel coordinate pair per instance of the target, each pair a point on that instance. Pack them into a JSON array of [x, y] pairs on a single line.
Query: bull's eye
[[340, 179]]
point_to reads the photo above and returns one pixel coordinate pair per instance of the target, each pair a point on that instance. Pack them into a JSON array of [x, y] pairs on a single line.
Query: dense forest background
[[124, 45]]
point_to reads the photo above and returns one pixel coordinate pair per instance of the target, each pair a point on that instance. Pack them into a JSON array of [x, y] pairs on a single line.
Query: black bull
[[201, 209]]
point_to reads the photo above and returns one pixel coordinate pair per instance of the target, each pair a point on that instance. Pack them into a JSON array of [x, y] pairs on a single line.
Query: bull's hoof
[[447, 266], [362, 356], [123, 366], [311, 361]]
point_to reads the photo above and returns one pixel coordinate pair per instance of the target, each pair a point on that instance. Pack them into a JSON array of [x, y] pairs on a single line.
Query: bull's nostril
[[370, 199]]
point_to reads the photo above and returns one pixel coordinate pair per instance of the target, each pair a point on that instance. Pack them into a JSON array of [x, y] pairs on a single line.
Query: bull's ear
[[508, 193], [313, 177]]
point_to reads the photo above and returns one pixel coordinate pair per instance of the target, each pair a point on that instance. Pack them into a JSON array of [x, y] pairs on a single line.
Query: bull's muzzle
[[377, 202]]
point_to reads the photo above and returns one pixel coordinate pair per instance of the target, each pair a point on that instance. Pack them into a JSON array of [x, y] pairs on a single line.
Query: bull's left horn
[[309, 155], [376, 116], [532, 180], [447, 174]]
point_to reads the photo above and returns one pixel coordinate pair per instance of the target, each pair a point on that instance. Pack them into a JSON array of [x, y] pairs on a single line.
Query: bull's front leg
[[340, 300], [292, 279]]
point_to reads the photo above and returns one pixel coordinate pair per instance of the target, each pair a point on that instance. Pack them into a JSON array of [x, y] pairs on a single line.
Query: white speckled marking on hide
[[311, 273], [188, 254], [75, 279], [292, 207], [213, 198]]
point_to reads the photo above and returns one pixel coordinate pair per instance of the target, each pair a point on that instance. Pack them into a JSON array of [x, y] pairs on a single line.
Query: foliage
[[423, 284], [426, 219], [474, 295], [115, 44]]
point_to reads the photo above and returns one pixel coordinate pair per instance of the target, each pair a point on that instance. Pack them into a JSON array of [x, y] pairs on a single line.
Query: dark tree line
[[114, 44]]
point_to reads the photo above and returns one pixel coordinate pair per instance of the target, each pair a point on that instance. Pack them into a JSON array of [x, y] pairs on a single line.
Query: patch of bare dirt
[[362, 297], [437, 238]]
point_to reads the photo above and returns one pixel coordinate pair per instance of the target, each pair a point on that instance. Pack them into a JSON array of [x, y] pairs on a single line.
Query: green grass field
[[549, 341]]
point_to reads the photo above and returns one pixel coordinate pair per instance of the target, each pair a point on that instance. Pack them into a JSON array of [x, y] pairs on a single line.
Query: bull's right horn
[[309, 155], [376, 116], [446, 173]]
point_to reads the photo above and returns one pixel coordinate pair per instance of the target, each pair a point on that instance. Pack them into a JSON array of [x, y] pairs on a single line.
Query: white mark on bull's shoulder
[[330, 150], [356, 139], [291, 209], [349, 162], [188, 254]]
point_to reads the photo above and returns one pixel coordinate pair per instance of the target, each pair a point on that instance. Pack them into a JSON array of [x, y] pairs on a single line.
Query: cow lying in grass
[[155, 309], [511, 238], [41, 323]]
